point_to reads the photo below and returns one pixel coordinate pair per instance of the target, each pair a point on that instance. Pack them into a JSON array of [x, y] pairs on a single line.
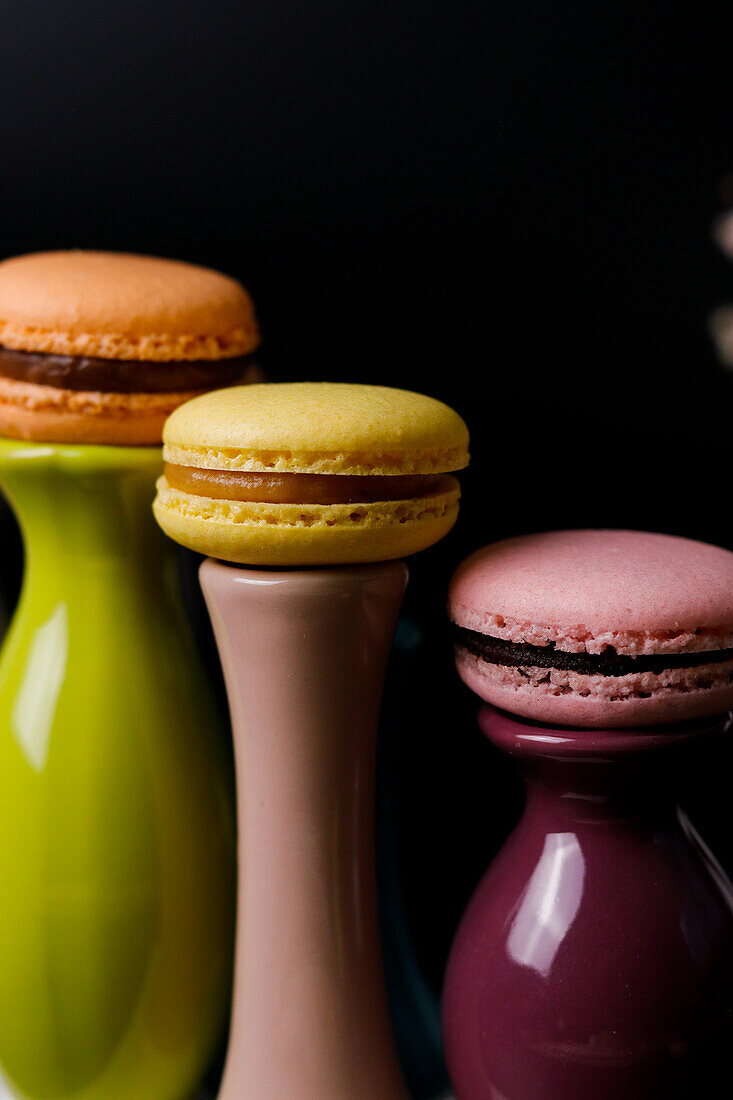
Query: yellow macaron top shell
[[113, 305], [319, 428]]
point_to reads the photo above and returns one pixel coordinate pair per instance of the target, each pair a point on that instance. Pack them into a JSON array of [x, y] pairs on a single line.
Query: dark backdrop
[[504, 204]]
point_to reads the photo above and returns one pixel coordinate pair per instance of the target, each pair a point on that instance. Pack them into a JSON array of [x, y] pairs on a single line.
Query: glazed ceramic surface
[[595, 959], [304, 654], [116, 828]]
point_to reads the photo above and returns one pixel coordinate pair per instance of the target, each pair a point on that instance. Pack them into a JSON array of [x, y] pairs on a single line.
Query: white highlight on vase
[[35, 704], [549, 904]]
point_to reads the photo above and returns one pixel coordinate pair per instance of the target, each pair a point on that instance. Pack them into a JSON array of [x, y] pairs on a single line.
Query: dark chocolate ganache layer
[[608, 663], [76, 372]]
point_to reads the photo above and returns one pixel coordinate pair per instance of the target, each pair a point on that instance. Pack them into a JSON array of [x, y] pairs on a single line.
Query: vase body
[[116, 822], [304, 654], [595, 959]]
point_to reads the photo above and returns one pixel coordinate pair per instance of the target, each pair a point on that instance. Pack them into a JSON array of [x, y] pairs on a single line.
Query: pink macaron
[[597, 628]]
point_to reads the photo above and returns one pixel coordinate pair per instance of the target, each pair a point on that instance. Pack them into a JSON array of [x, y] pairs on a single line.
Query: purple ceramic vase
[[595, 959]]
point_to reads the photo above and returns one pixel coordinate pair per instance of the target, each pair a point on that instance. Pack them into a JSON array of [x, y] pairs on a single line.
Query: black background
[[506, 205]]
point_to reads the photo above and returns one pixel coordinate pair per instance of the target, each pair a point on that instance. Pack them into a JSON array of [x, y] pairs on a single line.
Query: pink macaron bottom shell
[[595, 701]]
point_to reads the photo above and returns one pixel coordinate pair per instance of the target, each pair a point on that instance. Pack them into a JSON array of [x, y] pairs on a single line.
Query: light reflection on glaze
[[35, 704], [549, 904]]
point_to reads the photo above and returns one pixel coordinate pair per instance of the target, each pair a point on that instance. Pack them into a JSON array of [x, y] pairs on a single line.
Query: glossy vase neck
[[304, 654], [72, 500], [603, 772], [85, 515]]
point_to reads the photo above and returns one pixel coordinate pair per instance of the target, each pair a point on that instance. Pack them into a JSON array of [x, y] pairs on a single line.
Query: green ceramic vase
[[117, 854]]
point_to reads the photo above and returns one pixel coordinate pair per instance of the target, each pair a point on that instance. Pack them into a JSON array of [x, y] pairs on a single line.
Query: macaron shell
[[47, 414], [592, 706], [312, 427], [293, 534], [643, 593], [120, 306]]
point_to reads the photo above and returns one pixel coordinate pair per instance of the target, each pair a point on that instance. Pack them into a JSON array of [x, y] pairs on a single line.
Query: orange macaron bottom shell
[[49, 414], [251, 532]]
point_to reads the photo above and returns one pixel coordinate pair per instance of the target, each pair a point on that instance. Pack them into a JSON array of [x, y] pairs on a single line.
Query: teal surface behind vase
[[116, 824], [413, 1004]]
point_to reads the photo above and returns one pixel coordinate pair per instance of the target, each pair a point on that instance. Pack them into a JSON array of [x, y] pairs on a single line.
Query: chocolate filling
[[303, 488], [77, 372], [608, 663]]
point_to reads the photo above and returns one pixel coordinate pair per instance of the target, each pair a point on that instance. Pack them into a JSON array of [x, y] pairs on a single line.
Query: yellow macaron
[[310, 473]]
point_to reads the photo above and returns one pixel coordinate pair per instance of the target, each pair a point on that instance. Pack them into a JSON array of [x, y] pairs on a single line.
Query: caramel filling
[[304, 488], [76, 372]]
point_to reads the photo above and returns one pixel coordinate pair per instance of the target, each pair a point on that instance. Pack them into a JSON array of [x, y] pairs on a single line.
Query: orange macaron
[[100, 347]]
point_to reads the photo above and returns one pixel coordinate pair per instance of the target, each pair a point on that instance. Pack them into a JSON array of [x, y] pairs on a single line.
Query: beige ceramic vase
[[304, 654]]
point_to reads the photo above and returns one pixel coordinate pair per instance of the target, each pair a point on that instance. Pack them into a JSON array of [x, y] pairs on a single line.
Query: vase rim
[[522, 736], [318, 576], [78, 456]]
